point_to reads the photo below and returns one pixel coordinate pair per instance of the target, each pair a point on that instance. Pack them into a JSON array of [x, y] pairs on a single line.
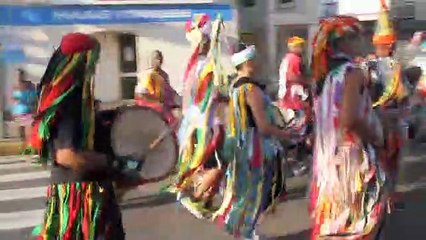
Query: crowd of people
[[228, 136]]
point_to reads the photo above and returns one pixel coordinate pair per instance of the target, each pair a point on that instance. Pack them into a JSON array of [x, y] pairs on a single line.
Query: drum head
[[278, 117], [134, 130]]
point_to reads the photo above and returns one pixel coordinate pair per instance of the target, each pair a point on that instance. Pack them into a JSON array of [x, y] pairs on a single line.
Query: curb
[[12, 147]]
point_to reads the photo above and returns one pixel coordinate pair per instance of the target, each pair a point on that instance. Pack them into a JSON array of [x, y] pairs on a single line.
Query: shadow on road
[[304, 235], [409, 223], [149, 201], [296, 193]]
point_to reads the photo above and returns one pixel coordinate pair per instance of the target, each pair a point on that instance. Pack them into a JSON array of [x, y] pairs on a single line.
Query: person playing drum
[[201, 131], [81, 202], [390, 92], [154, 89], [254, 177]]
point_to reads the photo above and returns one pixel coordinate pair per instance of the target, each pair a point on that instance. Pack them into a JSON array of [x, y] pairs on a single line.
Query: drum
[[138, 133], [279, 119]]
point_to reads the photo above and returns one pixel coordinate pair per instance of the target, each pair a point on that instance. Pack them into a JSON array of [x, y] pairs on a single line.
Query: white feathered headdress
[[197, 28]]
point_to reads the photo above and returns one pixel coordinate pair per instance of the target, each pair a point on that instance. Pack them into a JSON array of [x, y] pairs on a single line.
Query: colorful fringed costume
[[254, 177], [197, 139], [388, 70], [347, 191], [389, 90], [78, 206]]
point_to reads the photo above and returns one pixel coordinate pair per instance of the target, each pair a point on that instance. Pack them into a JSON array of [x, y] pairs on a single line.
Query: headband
[[241, 57], [294, 41], [330, 30]]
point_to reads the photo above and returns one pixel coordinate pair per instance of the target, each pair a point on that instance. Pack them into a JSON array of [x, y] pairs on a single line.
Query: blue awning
[[112, 14]]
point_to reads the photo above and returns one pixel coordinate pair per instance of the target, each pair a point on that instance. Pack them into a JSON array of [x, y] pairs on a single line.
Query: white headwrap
[[241, 57]]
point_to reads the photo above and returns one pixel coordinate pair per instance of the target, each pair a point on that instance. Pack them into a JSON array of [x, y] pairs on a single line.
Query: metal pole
[[2, 92]]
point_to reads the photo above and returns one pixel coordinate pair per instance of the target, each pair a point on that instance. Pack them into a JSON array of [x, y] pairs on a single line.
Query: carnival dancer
[[391, 90], [254, 176], [154, 89], [80, 199], [292, 83], [294, 95], [24, 100], [201, 131], [347, 191]]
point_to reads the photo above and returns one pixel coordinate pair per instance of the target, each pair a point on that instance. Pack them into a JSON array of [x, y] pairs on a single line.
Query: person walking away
[[24, 98], [254, 177], [347, 192], [81, 202]]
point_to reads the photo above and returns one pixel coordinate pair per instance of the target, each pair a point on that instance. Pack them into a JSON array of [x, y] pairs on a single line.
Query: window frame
[[280, 5], [123, 75]]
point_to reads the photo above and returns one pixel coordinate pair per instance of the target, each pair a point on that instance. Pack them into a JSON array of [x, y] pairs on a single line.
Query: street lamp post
[[2, 81]]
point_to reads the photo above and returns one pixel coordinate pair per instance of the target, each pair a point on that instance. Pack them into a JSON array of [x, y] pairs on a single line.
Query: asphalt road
[[148, 215]]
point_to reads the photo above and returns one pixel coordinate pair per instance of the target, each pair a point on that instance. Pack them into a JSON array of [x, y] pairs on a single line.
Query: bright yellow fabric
[[153, 83]]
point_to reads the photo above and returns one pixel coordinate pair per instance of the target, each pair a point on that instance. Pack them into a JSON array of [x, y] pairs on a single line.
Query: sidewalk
[[10, 147]]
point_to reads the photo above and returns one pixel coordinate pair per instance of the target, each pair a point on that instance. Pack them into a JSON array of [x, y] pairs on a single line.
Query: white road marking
[[10, 160], [19, 220], [413, 159], [24, 176], [17, 165], [22, 193]]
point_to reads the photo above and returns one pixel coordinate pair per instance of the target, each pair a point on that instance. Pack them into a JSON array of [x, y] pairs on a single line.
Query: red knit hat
[[77, 42]]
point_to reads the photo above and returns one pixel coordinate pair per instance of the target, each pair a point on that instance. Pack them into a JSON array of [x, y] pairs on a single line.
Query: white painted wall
[[365, 10], [107, 84], [301, 12]]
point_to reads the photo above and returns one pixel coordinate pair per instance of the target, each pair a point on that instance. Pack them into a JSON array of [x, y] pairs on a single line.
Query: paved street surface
[[150, 216]]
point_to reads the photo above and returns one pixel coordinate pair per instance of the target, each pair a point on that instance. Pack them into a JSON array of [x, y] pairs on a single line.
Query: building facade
[[127, 30], [277, 20], [127, 34]]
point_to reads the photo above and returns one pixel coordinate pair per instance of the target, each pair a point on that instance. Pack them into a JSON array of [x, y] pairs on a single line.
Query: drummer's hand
[[128, 178], [288, 135]]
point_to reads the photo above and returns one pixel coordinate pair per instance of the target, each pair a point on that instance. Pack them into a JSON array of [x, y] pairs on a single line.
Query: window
[[128, 65], [128, 85], [286, 3], [328, 8], [248, 3]]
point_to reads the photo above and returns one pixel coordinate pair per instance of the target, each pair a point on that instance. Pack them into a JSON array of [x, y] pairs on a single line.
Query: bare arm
[[66, 141], [256, 103], [81, 162], [299, 79], [350, 117]]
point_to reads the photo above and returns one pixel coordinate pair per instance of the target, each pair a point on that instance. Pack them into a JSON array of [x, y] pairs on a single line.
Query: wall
[[365, 10], [107, 85], [286, 21], [302, 12]]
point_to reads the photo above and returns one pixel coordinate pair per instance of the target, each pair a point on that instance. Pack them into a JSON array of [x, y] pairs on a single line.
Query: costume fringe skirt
[[81, 211]]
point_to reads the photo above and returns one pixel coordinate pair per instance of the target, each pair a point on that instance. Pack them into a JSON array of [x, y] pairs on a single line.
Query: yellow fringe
[[68, 68], [395, 86]]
